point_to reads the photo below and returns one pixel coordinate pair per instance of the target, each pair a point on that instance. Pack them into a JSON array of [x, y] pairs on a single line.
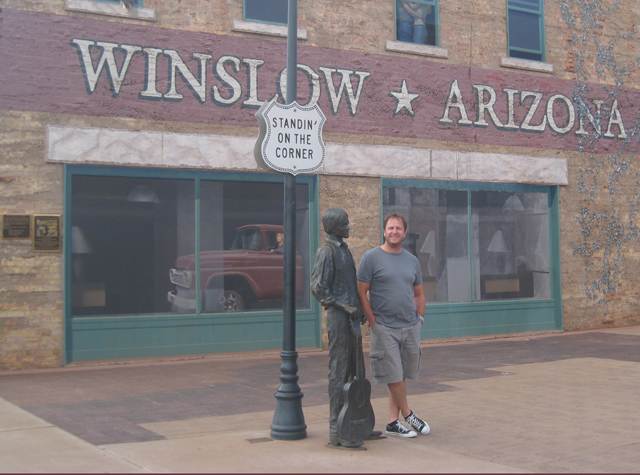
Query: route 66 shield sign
[[290, 139]]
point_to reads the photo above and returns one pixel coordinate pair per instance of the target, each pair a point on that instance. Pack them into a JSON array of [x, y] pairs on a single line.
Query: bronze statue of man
[[334, 285]]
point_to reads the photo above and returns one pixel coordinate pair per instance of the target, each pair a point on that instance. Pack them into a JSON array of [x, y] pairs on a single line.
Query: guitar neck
[[359, 356]]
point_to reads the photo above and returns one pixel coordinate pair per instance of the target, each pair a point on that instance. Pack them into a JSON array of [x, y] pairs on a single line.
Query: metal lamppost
[[288, 420]]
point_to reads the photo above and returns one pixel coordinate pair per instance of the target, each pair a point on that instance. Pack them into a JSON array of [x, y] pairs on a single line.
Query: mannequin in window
[[419, 13], [405, 22]]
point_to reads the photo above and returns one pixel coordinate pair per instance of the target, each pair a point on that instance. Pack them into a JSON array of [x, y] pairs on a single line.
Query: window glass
[[525, 29], [270, 11], [509, 235], [510, 245], [417, 22], [524, 33], [241, 260], [437, 235], [134, 246], [533, 5], [125, 235]]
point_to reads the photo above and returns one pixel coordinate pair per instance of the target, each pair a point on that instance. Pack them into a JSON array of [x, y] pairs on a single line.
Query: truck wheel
[[228, 301]]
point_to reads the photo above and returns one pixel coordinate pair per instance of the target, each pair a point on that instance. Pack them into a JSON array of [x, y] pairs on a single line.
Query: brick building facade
[[517, 175]]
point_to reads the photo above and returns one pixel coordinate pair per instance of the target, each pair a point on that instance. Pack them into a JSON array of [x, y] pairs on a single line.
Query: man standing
[[333, 283], [394, 307]]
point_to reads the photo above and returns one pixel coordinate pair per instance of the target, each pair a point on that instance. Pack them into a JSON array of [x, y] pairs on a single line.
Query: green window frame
[[476, 314], [525, 29], [411, 29], [266, 11], [106, 336]]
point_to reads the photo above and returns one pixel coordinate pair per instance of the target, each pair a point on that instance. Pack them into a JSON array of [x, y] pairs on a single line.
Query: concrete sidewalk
[[542, 403]]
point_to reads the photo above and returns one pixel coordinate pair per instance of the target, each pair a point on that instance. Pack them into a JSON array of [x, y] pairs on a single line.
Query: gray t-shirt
[[392, 277]]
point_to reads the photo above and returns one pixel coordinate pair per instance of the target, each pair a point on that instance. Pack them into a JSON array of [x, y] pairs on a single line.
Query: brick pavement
[[109, 404]]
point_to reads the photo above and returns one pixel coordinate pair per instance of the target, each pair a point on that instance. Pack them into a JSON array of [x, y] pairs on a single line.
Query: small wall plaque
[[16, 226], [47, 233]]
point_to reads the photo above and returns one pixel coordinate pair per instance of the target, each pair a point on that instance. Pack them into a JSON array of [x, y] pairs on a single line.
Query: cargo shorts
[[395, 353]]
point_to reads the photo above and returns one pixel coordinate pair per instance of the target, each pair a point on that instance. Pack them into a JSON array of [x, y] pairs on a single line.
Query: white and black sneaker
[[417, 424], [396, 428]]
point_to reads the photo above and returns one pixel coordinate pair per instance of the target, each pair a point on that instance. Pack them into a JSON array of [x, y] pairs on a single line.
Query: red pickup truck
[[236, 279]]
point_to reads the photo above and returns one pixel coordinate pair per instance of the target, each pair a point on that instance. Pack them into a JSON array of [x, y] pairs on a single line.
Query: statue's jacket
[[333, 279]]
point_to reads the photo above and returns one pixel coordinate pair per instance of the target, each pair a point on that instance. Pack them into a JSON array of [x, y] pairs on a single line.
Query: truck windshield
[[249, 239]]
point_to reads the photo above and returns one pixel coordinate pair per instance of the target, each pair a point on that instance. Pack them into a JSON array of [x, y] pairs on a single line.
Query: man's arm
[[363, 289], [419, 300]]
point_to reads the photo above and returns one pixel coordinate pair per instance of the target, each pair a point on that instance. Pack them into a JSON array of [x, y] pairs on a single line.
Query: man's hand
[[363, 293]]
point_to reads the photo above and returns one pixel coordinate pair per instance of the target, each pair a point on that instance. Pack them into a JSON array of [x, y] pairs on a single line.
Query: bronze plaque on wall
[[47, 233], [16, 226]]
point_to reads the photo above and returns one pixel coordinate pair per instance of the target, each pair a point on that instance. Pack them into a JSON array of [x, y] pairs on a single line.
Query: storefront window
[[144, 245], [241, 261], [125, 235], [511, 245], [508, 233]]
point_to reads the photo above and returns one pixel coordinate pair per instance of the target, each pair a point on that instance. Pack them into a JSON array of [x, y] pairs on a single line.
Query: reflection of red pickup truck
[[236, 279]]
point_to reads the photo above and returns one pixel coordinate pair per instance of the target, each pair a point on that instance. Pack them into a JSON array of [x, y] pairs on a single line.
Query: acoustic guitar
[[356, 420]]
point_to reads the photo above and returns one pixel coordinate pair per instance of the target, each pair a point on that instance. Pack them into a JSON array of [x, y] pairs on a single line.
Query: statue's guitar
[[356, 420]]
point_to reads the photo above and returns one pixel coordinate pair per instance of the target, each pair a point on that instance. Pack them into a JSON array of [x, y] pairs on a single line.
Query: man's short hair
[[394, 216], [332, 218]]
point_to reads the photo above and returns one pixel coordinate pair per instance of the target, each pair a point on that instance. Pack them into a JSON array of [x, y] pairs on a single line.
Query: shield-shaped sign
[[290, 139]]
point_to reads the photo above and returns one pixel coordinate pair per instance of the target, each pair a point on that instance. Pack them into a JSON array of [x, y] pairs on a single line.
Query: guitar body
[[356, 419]]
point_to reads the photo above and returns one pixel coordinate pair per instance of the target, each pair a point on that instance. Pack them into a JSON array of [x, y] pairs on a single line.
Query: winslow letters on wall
[[145, 72]]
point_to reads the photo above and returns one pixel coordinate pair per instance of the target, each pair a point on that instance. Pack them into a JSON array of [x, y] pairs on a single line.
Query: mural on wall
[[114, 70], [609, 185], [231, 91]]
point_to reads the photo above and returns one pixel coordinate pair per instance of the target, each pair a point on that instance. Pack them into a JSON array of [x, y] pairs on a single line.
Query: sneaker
[[417, 424], [396, 428]]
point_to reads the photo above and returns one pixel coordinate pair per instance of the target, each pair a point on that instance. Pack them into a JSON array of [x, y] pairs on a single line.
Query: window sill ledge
[[265, 29], [526, 64], [422, 50], [111, 9]]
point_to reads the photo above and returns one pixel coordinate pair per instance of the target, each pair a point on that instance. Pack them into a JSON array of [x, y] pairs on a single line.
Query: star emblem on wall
[[404, 98]]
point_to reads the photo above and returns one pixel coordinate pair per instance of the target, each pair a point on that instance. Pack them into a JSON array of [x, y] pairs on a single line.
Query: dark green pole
[[288, 420]]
